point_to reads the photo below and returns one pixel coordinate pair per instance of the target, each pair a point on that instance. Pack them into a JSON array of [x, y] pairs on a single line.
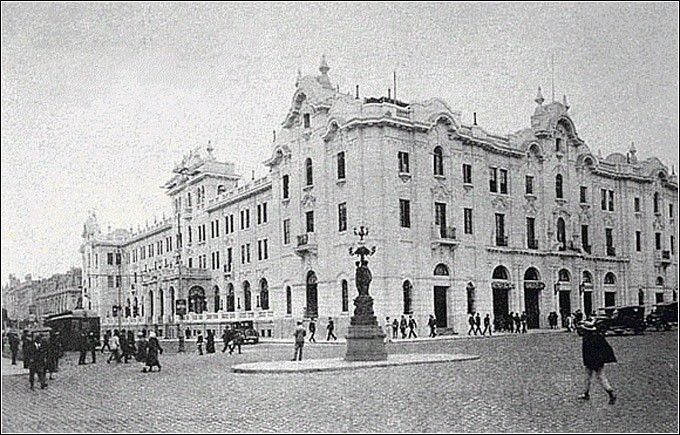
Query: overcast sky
[[100, 100]]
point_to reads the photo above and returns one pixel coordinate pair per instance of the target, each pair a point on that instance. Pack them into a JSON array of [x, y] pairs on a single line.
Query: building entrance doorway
[[500, 303], [565, 306], [440, 309], [588, 303], [312, 309], [531, 307]]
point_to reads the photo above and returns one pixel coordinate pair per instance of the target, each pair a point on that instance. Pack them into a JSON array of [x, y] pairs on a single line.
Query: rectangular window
[[109, 258], [603, 203], [493, 180], [264, 213], [212, 229], [403, 162], [501, 239], [672, 241], [638, 241], [670, 211], [226, 225], [243, 254], [309, 218], [118, 258], [558, 144], [248, 252], [285, 185], [611, 200], [504, 181], [467, 173], [306, 120], [217, 259], [529, 185], [229, 259], [110, 281], [243, 219], [342, 216], [585, 239], [247, 218], [231, 223], [467, 220], [657, 241], [609, 239], [584, 195], [532, 243], [259, 250], [259, 214], [405, 213], [266, 249], [286, 231], [118, 281], [637, 205], [341, 165], [440, 218]]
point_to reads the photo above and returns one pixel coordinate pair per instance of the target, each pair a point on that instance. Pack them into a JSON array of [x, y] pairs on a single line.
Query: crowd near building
[[463, 220], [32, 300]]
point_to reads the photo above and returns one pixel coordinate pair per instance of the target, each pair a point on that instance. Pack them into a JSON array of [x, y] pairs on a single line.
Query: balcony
[[662, 257], [501, 240], [444, 236], [611, 251], [306, 244]]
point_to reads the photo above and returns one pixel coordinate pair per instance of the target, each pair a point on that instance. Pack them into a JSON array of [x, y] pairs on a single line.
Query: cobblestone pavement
[[521, 383]]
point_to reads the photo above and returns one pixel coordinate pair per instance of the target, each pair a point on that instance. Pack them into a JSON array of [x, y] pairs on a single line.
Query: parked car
[[621, 319], [250, 335], [663, 316]]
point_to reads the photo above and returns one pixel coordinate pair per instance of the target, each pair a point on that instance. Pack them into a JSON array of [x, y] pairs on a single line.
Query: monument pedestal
[[365, 338]]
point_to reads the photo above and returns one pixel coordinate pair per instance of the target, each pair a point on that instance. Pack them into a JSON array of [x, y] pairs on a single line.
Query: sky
[[100, 100]]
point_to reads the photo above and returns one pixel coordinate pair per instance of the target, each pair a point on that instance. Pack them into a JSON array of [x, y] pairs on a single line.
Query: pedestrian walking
[[518, 323], [387, 329], [26, 343], [412, 327], [478, 324], [210, 342], [142, 345], [299, 341], [52, 354], [487, 325], [13, 346], [330, 328], [471, 322], [236, 341], [107, 336], [114, 345], [227, 336], [199, 343], [83, 347], [92, 346], [312, 331], [132, 345], [432, 323], [395, 329], [124, 346], [569, 323], [523, 320], [36, 354], [402, 326], [596, 353], [153, 350]]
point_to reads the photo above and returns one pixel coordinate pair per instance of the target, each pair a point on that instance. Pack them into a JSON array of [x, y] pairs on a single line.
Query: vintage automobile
[[663, 316], [621, 319]]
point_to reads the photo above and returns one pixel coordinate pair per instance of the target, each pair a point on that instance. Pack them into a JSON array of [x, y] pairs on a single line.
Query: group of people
[[394, 327], [330, 330], [40, 354], [231, 337], [123, 347]]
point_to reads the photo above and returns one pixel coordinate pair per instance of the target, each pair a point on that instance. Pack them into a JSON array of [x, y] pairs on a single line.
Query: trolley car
[[71, 324]]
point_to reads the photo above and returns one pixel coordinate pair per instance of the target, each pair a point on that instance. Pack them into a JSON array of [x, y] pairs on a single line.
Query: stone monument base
[[365, 343]]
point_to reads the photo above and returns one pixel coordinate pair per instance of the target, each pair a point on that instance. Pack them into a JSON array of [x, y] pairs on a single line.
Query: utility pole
[[180, 243]]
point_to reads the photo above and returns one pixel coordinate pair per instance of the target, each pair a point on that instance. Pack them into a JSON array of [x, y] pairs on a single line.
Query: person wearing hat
[[596, 353], [299, 341], [37, 361], [141, 347], [152, 351], [13, 345], [93, 341], [331, 327]]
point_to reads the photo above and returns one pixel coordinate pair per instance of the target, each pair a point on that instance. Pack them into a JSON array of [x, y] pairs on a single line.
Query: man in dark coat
[[331, 327], [412, 327], [312, 331], [478, 324], [92, 344], [471, 322], [124, 346], [141, 347], [395, 329], [236, 341], [37, 361], [13, 346], [152, 351], [227, 336], [25, 347], [107, 336], [518, 323], [487, 325], [596, 353], [432, 323], [52, 354], [83, 347], [132, 347], [210, 342]]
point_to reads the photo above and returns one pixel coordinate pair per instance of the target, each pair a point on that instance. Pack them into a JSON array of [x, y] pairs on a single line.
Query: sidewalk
[[9, 370], [342, 340]]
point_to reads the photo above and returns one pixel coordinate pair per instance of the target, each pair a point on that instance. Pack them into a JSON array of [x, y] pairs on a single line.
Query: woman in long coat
[[141, 347], [210, 343], [596, 353], [152, 350]]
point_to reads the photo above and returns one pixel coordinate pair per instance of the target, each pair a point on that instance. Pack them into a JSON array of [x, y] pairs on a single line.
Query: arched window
[[344, 295], [659, 281], [500, 272], [561, 233], [151, 303], [312, 295], [471, 297], [531, 274], [587, 277], [309, 177], [161, 305], [610, 279], [559, 192], [438, 161], [264, 294], [408, 297], [231, 305], [247, 297], [197, 303], [289, 301], [564, 276], [441, 270], [285, 184], [216, 296]]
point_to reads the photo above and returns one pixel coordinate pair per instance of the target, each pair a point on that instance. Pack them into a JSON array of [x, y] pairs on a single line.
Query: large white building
[[463, 221]]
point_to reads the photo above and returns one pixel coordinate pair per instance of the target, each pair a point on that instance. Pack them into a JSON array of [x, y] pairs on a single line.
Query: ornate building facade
[[463, 221]]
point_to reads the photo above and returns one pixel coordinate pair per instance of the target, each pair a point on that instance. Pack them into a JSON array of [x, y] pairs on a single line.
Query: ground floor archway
[[441, 306]]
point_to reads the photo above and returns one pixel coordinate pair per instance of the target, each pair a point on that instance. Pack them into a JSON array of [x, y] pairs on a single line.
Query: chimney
[[357, 95], [474, 118]]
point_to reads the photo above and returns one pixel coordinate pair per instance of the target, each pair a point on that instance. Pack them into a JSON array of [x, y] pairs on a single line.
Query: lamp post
[[180, 313]]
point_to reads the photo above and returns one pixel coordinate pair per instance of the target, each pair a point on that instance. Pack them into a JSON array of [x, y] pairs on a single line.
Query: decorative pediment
[[585, 216], [658, 223], [608, 220], [308, 201], [561, 211], [499, 203], [281, 153], [441, 191], [530, 206]]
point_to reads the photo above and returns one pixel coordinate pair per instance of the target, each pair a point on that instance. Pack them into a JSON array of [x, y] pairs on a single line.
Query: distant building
[[18, 298], [58, 293], [463, 220]]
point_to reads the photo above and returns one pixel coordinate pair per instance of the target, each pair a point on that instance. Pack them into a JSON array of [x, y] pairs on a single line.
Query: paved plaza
[[520, 383]]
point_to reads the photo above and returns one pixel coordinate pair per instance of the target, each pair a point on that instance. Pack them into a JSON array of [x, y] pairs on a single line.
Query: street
[[520, 383]]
